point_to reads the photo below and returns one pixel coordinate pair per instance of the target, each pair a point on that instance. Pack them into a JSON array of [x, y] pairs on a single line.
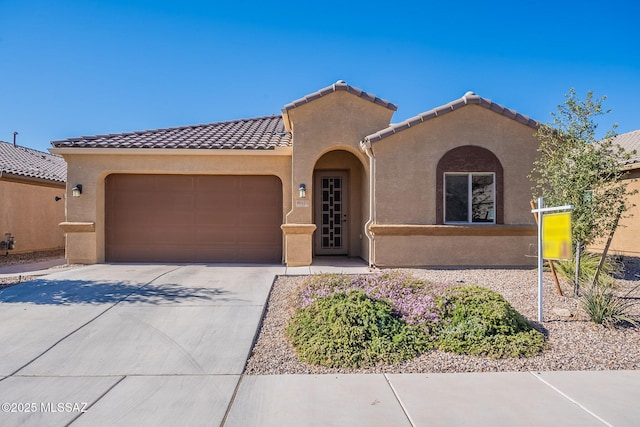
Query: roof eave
[[13, 177], [467, 98], [278, 151]]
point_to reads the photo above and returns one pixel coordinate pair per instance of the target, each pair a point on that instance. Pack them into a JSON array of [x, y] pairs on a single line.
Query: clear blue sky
[[73, 68]]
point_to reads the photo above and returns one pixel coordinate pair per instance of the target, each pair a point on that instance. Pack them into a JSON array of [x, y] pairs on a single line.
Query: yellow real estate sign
[[556, 236]]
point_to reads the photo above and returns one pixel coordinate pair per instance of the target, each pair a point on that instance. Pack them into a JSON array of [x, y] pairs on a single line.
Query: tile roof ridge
[[339, 85], [174, 128], [468, 98]]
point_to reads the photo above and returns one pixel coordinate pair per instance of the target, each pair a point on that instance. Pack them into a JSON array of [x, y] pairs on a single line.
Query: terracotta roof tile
[[340, 85], [261, 133], [23, 161], [468, 98]]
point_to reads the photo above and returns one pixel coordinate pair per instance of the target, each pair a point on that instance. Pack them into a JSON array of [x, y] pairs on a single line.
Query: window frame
[[469, 176]]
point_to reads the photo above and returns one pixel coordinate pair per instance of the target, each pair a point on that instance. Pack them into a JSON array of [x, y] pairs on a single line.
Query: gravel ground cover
[[26, 258], [573, 342]]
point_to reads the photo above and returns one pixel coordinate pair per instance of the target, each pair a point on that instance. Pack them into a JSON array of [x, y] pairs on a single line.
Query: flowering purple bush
[[413, 300]]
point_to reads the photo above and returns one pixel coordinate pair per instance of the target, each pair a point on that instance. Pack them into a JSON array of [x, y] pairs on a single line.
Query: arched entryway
[[339, 197]]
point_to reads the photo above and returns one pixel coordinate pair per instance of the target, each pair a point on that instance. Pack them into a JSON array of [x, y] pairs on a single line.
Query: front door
[[331, 212]]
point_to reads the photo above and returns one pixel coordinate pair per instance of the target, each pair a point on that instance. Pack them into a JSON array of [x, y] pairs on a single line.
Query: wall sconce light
[[57, 198], [77, 190], [302, 191]]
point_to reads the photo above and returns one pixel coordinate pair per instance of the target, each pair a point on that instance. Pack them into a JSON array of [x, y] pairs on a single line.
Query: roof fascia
[[467, 99], [62, 151]]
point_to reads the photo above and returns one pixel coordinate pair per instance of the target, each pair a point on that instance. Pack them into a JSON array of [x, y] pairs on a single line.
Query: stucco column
[[80, 242], [298, 244]]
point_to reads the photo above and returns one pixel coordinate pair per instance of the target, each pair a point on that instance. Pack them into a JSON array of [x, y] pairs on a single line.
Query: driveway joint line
[[397, 396], [231, 401], [99, 398], [570, 399]]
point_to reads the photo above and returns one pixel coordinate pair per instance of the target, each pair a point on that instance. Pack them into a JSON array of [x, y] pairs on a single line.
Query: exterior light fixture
[[57, 198], [302, 191], [77, 190]]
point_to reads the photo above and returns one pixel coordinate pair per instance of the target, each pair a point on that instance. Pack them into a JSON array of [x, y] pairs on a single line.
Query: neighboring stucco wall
[[406, 189], [29, 212], [626, 240], [90, 167]]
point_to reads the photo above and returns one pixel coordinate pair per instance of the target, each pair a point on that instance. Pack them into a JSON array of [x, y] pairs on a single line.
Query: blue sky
[[73, 68]]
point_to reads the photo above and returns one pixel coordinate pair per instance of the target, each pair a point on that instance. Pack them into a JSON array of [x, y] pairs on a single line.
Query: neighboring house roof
[[630, 141], [468, 98], [340, 85], [261, 133], [26, 162]]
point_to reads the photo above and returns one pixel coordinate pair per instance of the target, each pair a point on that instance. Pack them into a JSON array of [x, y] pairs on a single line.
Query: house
[[625, 240], [328, 176], [30, 182]]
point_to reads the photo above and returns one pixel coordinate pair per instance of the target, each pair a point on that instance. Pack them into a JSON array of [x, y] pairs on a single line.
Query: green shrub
[[353, 330], [481, 322], [605, 308], [588, 265], [412, 299]]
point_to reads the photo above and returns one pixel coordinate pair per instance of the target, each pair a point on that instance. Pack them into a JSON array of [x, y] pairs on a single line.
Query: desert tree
[[576, 167]]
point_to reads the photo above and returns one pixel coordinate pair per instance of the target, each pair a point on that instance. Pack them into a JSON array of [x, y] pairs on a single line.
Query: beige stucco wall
[[455, 251], [29, 212], [90, 167], [406, 188], [626, 240], [336, 121]]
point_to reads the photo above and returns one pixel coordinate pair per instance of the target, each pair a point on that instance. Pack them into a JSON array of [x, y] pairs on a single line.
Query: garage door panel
[[193, 218], [215, 235], [250, 235], [220, 217]]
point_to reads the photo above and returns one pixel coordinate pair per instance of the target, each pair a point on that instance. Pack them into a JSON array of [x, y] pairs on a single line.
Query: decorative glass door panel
[[331, 213]]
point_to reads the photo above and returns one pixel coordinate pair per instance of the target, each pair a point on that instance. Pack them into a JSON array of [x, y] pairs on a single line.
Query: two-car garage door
[[193, 218]]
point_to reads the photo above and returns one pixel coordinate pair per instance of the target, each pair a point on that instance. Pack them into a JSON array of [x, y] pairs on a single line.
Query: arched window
[[470, 184]]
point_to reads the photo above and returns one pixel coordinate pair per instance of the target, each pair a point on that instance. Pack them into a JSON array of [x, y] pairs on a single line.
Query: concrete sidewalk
[[153, 345], [597, 398]]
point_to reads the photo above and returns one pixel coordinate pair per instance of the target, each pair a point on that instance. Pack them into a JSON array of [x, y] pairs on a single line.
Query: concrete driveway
[[128, 344]]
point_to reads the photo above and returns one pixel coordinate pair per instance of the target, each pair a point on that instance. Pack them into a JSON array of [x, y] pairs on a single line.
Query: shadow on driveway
[[67, 292]]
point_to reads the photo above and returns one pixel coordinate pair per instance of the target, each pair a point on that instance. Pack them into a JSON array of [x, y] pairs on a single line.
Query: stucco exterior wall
[[406, 189], [335, 122], [29, 212], [626, 240], [86, 244], [338, 121], [455, 251]]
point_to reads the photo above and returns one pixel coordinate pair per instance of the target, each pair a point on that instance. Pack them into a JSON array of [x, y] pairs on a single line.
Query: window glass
[[457, 198], [482, 198], [469, 198]]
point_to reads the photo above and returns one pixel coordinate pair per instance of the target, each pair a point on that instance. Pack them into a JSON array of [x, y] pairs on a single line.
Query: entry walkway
[[331, 264], [153, 345]]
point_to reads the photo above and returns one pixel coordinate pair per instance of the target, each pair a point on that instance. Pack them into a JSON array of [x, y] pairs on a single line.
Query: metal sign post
[[541, 210]]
